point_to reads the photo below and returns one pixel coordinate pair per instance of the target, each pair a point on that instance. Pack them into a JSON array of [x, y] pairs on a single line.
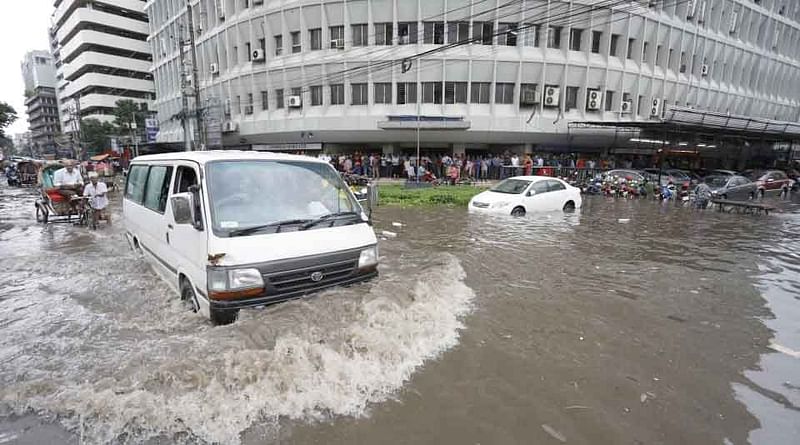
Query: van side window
[[157, 190], [185, 178], [134, 189]]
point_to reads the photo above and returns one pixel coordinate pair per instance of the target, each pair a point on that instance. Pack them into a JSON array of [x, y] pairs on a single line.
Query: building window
[[406, 93], [433, 33], [658, 54], [639, 108], [554, 37], [503, 93], [360, 35], [297, 91], [407, 33], [609, 100], [383, 93], [613, 44], [235, 54], [316, 39], [457, 32], [480, 92], [508, 34], [337, 37], [596, 37], [316, 95], [296, 42], [683, 62], [530, 35], [262, 43], [455, 92], [278, 44], [631, 42], [483, 32], [238, 104], [337, 94], [645, 47], [432, 92], [572, 98], [360, 95], [279, 98], [383, 33], [575, 35], [249, 52], [264, 100]]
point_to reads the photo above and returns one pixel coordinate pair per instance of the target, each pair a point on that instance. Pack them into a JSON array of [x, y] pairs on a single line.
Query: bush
[[457, 196]]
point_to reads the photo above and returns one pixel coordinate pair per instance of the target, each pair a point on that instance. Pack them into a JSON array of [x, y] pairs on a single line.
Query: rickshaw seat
[[55, 196]]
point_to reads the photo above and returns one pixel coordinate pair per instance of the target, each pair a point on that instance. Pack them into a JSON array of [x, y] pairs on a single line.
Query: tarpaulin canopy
[[99, 158]]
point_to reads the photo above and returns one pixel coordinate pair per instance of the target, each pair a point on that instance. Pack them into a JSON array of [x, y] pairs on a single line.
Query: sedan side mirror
[[182, 208]]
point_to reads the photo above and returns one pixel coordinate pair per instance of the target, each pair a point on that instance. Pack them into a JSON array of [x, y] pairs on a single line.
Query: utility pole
[[185, 112], [200, 141]]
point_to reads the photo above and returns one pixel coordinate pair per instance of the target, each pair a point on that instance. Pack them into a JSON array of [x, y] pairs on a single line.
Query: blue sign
[[151, 129]]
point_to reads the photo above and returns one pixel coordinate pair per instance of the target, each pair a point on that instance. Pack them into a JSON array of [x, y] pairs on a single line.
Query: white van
[[235, 229]]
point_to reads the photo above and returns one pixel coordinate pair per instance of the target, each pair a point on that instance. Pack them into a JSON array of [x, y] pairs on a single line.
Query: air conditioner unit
[[626, 107], [229, 127], [704, 70], [337, 44], [552, 96], [214, 68], [734, 22], [691, 7], [258, 55], [593, 100], [655, 110], [295, 102], [530, 97]]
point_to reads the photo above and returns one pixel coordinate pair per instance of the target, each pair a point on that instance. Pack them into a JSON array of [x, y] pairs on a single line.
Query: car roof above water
[[203, 157], [532, 178]]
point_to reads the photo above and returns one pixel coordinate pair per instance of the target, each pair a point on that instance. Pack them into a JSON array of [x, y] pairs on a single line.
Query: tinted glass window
[[185, 178], [778, 175], [540, 187], [157, 190], [137, 176], [554, 186]]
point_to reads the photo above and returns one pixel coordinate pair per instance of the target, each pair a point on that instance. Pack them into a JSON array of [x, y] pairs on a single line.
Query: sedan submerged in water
[[523, 194]]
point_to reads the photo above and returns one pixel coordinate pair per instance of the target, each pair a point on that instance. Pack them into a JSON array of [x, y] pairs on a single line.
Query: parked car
[[627, 175], [722, 173], [524, 194], [677, 177], [774, 181], [737, 188]]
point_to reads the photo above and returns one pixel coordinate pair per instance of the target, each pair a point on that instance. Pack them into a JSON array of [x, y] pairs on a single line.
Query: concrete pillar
[[459, 149], [528, 149]]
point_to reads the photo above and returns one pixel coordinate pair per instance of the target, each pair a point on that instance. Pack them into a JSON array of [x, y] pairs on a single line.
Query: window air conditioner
[[593, 100], [295, 102], [337, 44], [552, 96], [530, 97], [258, 55], [626, 106], [214, 68], [655, 110], [229, 127], [704, 70]]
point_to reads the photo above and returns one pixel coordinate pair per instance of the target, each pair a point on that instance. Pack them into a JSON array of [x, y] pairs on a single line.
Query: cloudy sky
[[23, 27]]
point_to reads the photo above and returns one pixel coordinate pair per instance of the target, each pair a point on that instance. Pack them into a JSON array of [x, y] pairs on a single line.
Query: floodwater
[[675, 327]]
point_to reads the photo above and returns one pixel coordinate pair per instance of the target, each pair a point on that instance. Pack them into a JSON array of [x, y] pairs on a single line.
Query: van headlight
[[234, 283], [368, 257]]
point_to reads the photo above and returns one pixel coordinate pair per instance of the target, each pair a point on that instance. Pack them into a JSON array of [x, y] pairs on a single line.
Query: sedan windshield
[[716, 181], [272, 194], [511, 186]]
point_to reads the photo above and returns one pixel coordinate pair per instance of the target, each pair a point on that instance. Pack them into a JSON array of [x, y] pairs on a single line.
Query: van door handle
[[167, 237], [169, 226]]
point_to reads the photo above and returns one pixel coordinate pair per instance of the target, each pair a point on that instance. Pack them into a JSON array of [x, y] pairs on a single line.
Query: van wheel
[[518, 211], [219, 317], [188, 295], [569, 207]]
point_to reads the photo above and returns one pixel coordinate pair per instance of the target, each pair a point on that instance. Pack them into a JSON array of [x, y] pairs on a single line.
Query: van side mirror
[[530, 193], [182, 208]]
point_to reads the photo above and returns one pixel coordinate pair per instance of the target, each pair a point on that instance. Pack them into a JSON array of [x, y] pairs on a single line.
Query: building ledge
[[412, 122]]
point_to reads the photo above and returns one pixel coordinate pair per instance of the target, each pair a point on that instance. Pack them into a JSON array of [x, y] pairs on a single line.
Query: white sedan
[[522, 194]]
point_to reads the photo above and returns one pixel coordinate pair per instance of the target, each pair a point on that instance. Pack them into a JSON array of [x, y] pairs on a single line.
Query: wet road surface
[[676, 327]]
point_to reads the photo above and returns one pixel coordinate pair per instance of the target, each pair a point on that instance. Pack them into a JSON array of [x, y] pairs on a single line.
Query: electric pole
[[200, 142], [185, 97]]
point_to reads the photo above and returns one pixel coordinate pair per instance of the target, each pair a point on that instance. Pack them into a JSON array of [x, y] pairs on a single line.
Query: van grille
[[303, 279]]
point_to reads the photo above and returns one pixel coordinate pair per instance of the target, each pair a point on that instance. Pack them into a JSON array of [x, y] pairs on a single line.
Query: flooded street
[[674, 327]]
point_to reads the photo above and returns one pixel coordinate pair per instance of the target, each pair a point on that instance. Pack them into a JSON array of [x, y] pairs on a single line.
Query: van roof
[[201, 157]]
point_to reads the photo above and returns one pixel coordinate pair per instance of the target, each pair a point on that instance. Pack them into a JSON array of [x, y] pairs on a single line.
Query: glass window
[[572, 98], [383, 93], [609, 99], [316, 39], [455, 92], [360, 35], [278, 44], [185, 177], [433, 33], [137, 177], [645, 47], [503, 93], [457, 32], [406, 93], [296, 42], [527, 94], [613, 44], [631, 42], [554, 37], [508, 34], [511, 186], [248, 108], [480, 92], [596, 37], [279, 98], [483, 32], [264, 100], [530, 35], [554, 186], [383, 33], [406, 33], [337, 94], [575, 36], [360, 95], [431, 92], [157, 190], [248, 48], [540, 187], [337, 36], [316, 95]]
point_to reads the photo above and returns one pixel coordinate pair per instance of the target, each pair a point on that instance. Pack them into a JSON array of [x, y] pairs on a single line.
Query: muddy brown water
[[548, 329]]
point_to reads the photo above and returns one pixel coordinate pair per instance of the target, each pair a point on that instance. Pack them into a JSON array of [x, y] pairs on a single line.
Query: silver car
[[733, 187]]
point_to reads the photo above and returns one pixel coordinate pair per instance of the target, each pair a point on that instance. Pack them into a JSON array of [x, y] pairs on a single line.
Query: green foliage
[[124, 114], [96, 135], [433, 196], [7, 117]]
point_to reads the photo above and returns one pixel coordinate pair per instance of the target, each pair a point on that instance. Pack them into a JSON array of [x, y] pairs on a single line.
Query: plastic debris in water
[[389, 234], [553, 432], [397, 224], [624, 220]]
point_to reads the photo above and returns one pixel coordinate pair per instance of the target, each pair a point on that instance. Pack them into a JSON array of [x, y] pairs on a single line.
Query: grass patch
[[457, 196]]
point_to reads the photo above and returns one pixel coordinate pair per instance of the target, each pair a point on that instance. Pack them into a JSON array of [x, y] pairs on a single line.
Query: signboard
[[151, 129], [115, 145], [213, 124]]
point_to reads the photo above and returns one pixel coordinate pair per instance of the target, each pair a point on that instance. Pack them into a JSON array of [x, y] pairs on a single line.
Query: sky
[[23, 27]]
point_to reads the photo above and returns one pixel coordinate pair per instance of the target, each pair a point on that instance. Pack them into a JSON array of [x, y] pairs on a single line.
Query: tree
[[96, 135], [7, 117], [124, 114]]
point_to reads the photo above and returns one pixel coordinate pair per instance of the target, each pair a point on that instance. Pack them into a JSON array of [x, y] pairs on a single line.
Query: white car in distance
[[525, 194]]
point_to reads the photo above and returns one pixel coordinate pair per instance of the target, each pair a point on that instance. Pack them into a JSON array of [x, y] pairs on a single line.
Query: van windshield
[[254, 194]]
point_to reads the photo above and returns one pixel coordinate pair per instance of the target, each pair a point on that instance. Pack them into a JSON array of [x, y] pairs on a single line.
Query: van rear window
[[137, 178]]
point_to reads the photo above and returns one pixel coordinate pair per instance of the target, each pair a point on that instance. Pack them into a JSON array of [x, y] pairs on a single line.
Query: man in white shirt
[[68, 181], [96, 192]]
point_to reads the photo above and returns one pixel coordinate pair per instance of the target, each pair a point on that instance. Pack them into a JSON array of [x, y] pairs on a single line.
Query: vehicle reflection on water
[[489, 330]]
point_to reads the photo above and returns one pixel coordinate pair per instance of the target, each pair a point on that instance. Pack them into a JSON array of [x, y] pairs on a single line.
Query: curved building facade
[[480, 73]]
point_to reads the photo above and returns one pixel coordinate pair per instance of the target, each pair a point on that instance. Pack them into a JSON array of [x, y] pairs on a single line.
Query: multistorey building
[[38, 74], [472, 74]]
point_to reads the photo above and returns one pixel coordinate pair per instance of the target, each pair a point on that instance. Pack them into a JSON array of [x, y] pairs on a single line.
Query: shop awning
[[99, 158]]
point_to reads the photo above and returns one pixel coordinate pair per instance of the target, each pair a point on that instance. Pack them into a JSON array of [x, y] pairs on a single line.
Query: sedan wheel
[[518, 211], [569, 207]]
